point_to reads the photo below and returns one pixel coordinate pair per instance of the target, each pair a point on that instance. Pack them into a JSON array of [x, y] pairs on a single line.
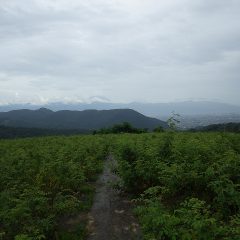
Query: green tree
[[173, 121]]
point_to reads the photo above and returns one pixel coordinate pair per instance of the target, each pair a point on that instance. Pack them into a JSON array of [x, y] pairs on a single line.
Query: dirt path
[[111, 217]]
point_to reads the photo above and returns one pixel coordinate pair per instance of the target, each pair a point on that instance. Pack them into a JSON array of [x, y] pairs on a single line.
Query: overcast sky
[[119, 50]]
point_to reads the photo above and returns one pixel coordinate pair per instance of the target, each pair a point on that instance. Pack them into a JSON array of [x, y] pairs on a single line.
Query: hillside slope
[[84, 120], [224, 127]]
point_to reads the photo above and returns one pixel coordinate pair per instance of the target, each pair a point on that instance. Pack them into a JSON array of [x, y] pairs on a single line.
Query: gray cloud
[[122, 50]]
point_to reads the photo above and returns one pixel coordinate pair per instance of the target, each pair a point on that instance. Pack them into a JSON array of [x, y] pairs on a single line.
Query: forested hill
[[83, 120], [224, 127], [22, 132]]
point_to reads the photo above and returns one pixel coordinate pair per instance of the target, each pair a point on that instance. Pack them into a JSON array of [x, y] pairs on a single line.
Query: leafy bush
[[43, 179], [188, 183], [125, 127], [191, 220]]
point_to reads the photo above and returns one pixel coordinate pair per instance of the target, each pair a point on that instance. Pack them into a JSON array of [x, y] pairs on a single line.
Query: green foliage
[[158, 129], [173, 121], [43, 179], [79, 234], [125, 127], [187, 185], [191, 220]]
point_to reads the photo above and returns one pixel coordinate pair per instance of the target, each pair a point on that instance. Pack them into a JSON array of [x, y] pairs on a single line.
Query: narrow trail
[[111, 217]]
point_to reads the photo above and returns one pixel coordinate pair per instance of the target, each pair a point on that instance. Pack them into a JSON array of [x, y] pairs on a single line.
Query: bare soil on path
[[111, 216]]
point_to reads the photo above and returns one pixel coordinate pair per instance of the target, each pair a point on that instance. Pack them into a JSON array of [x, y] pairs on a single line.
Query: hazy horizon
[[110, 102], [119, 51]]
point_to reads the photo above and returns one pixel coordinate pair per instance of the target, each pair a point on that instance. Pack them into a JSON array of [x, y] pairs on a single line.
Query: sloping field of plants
[[43, 180], [184, 185]]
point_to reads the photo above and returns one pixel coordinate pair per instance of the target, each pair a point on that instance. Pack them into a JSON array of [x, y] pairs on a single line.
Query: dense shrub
[[125, 127], [187, 184], [43, 179]]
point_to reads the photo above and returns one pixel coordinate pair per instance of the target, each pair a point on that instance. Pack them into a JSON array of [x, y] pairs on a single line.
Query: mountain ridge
[[148, 109], [84, 120]]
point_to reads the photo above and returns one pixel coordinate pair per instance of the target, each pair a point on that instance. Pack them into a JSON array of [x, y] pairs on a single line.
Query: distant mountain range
[[149, 109], [80, 120]]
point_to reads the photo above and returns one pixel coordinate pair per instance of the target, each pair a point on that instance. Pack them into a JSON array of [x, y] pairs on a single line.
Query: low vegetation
[[120, 128], [185, 185], [44, 180]]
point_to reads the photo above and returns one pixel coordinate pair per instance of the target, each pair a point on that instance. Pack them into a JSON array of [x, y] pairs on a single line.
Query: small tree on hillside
[[173, 121]]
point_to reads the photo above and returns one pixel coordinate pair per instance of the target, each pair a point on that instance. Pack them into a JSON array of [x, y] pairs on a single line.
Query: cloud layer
[[122, 50]]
